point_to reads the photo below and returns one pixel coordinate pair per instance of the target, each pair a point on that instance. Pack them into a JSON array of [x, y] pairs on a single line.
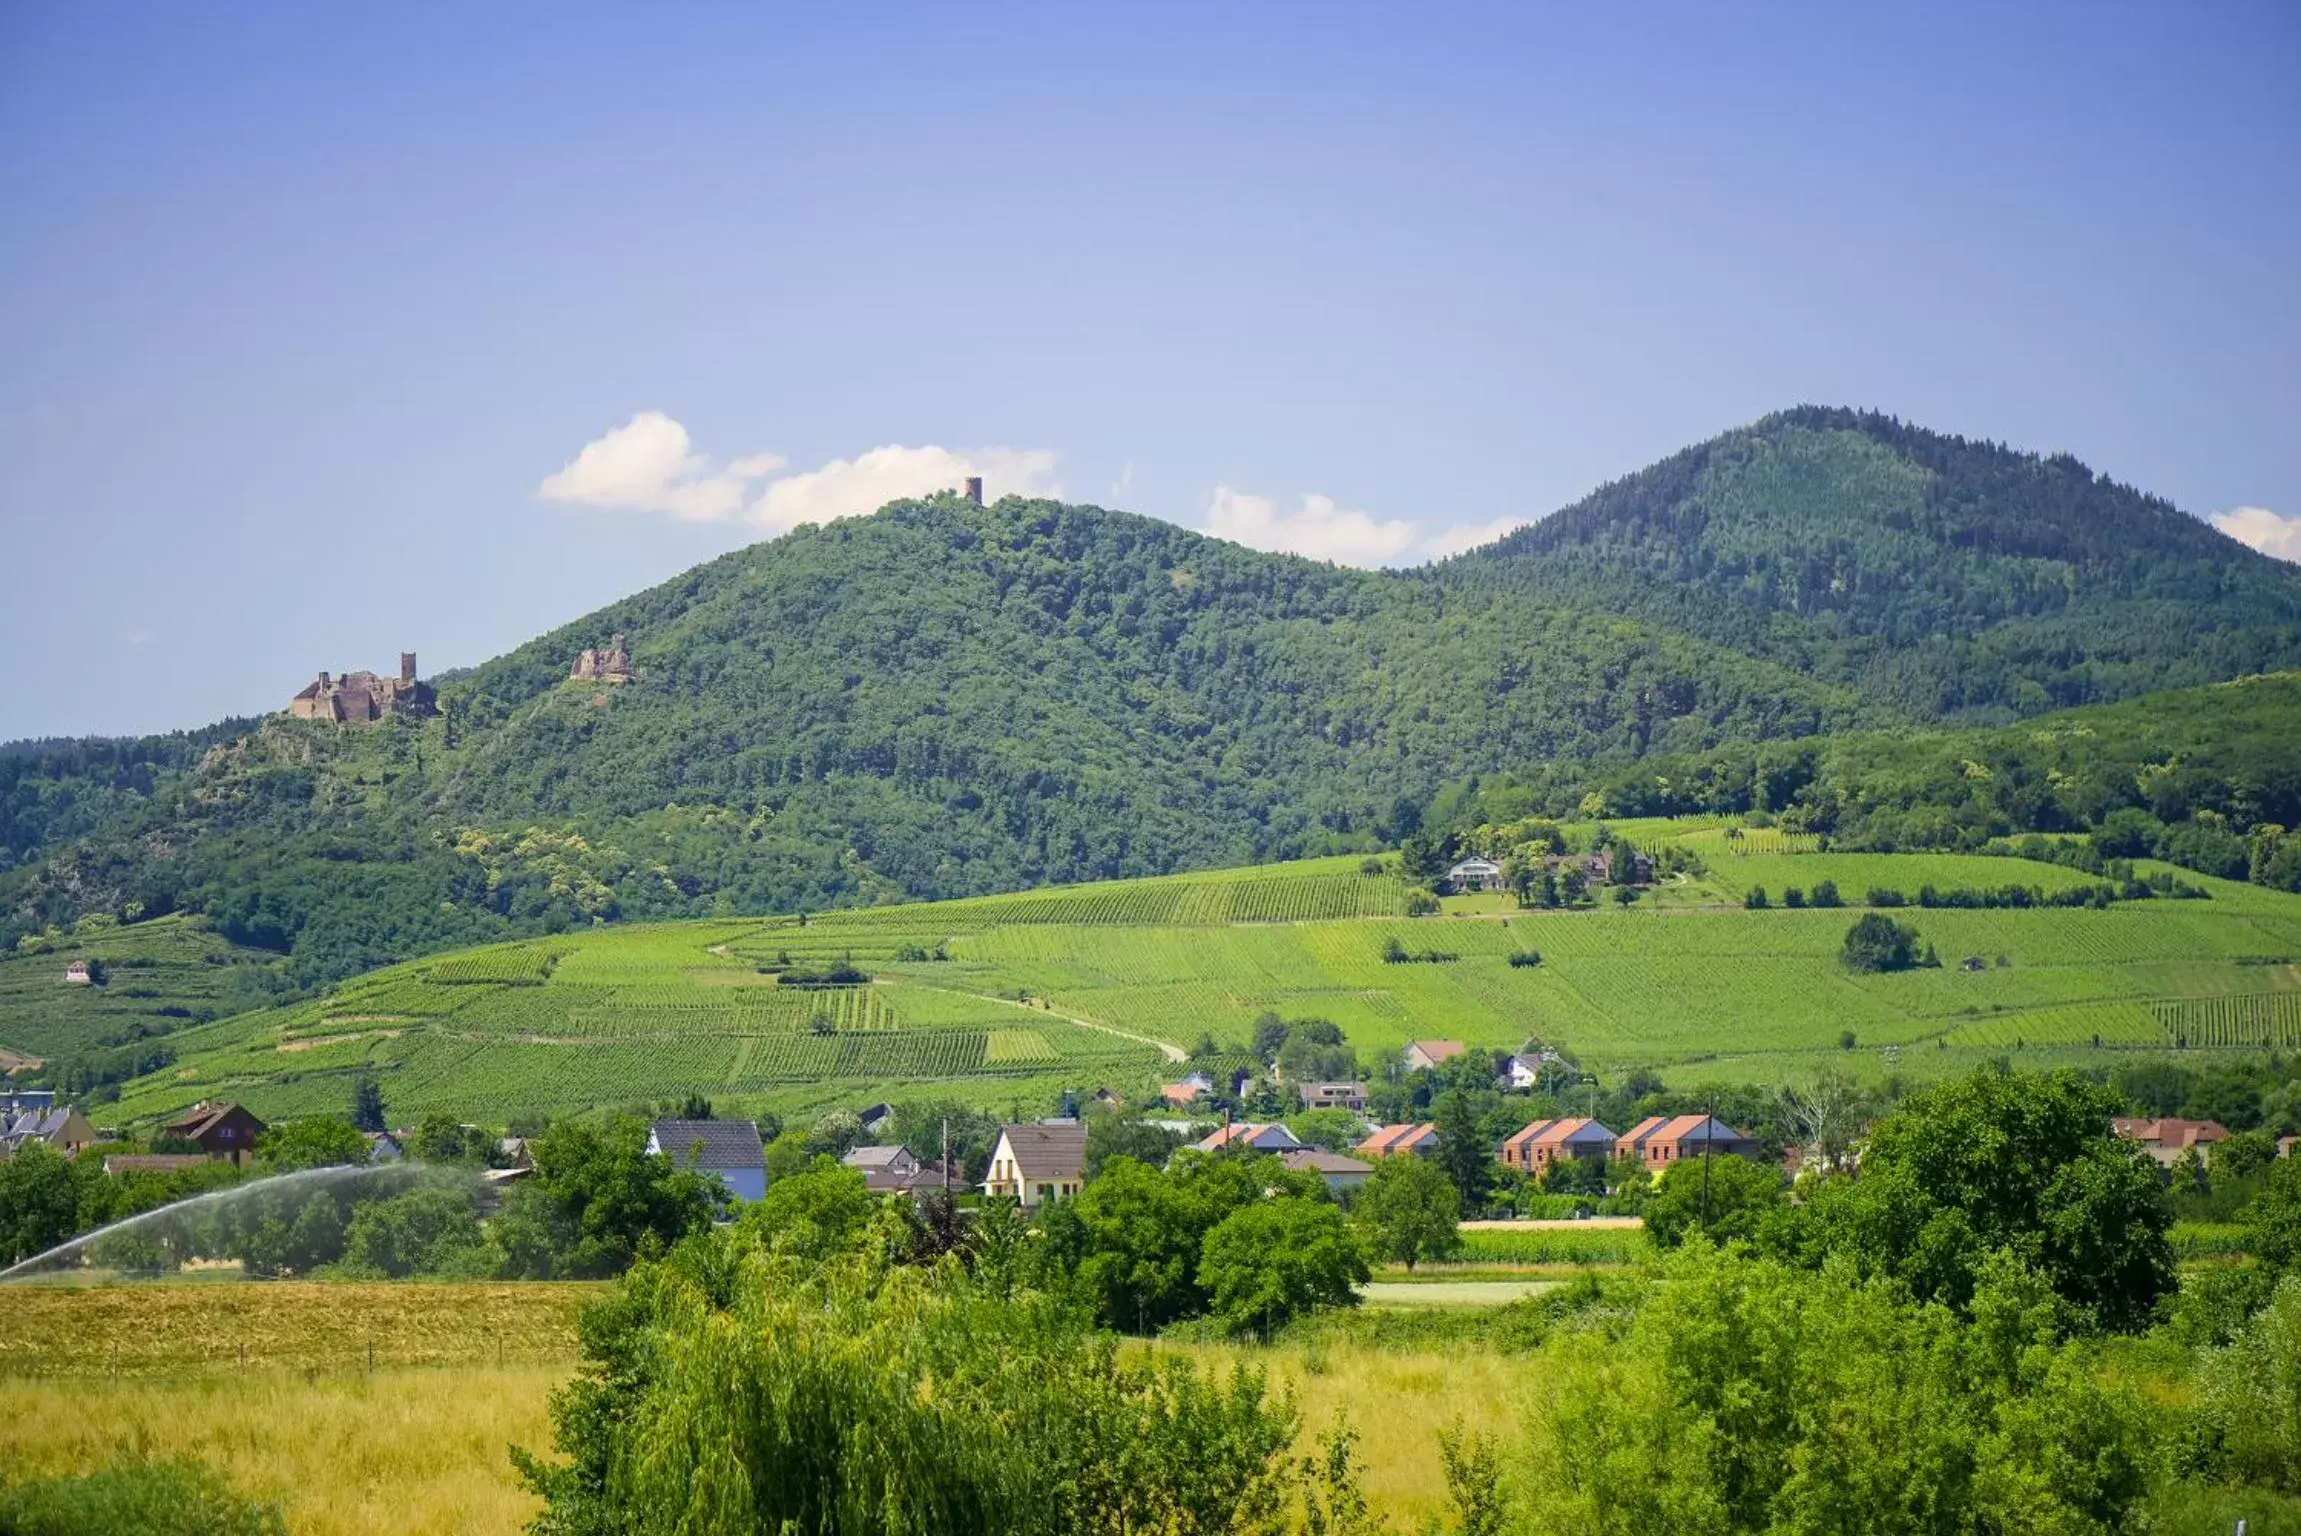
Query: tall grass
[[417, 1452]]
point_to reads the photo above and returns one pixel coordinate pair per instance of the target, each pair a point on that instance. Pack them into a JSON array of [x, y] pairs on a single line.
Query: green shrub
[[136, 1496], [728, 1390]]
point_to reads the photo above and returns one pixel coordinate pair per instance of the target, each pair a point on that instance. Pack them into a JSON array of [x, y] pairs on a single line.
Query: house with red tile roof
[[2169, 1139], [1401, 1140], [1632, 1142], [1533, 1149], [1691, 1136]]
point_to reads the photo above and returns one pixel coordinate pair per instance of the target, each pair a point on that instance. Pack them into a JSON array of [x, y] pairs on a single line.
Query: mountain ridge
[[936, 700], [943, 699], [1941, 576]]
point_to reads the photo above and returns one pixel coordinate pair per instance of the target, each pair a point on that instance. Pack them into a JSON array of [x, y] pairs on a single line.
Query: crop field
[[1005, 1000], [182, 1328], [1577, 1245], [388, 1407]]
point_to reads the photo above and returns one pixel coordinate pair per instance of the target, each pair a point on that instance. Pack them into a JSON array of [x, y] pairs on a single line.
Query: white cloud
[[1318, 528], [1462, 536], [1325, 530], [2279, 537], [650, 465], [868, 481]]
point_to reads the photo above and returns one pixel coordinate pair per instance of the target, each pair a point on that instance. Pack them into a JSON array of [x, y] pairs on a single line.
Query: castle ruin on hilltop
[[363, 697], [612, 665]]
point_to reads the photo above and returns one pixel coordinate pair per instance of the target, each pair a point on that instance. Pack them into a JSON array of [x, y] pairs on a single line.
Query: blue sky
[[308, 314]]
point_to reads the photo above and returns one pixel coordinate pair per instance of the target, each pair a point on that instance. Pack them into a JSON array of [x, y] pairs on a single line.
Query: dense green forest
[[1942, 577], [2207, 778], [942, 700], [938, 700]]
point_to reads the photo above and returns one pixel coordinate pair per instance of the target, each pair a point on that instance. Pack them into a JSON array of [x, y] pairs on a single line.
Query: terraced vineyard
[[158, 976], [1007, 1000]]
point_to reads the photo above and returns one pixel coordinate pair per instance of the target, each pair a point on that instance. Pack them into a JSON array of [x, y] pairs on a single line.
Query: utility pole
[[946, 1157], [1709, 1124]]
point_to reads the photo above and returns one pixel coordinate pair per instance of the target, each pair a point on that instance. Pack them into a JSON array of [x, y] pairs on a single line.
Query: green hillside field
[[1005, 1000], [158, 977]]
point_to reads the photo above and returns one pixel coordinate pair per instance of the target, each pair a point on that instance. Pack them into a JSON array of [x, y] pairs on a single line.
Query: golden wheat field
[[272, 1384]]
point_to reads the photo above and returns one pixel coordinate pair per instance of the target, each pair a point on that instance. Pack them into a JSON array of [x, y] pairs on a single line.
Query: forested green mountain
[[942, 699], [1941, 577], [936, 700]]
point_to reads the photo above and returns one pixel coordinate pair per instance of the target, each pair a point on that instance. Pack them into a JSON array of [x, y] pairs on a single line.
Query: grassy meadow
[[1003, 999]]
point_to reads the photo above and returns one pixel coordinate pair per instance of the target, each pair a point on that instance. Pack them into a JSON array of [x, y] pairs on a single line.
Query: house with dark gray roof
[[896, 1171], [729, 1149], [65, 1129], [1039, 1163]]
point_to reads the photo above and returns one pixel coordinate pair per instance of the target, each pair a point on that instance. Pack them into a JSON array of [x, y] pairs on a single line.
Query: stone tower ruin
[[364, 698], [975, 489]]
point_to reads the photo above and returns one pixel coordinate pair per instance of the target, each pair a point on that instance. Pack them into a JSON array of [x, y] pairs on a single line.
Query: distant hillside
[[943, 699], [1938, 576], [937, 700], [1004, 1002], [2207, 778]]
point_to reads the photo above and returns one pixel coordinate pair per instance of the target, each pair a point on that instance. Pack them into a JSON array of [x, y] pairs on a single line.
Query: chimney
[[407, 666], [975, 489], [323, 679]]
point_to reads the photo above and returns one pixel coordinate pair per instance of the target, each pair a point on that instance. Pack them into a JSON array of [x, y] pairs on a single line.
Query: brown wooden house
[[225, 1132]]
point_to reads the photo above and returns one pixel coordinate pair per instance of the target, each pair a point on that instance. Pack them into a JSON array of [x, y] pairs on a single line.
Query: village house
[[1660, 1141], [1598, 867], [2287, 1144], [1188, 1089], [79, 974], [896, 1170], [224, 1132], [1533, 1149], [1342, 1174], [385, 1147], [2168, 1139], [15, 1101], [65, 1129], [1523, 1071], [1036, 1164], [1350, 1096], [1424, 1055], [1475, 873], [1252, 1137], [1401, 1141], [875, 1117], [727, 1149]]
